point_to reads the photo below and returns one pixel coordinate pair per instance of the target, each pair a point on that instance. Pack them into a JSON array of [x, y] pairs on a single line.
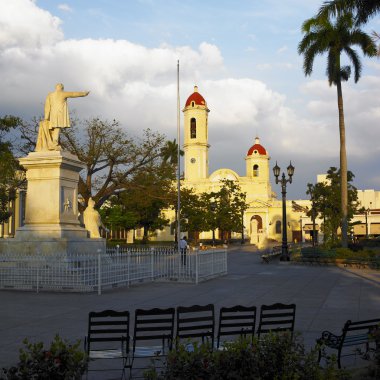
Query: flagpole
[[178, 164]]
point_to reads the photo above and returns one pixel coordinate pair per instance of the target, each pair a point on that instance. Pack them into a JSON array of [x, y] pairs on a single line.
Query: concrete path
[[326, 296]]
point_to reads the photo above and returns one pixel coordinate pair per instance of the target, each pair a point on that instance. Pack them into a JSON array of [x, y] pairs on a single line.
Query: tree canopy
[[114, 160], [363, 10], [326, 198], [10, 171], [222, 209]]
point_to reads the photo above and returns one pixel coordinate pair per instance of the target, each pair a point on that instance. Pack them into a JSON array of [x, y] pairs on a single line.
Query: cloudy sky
[[242, 54]]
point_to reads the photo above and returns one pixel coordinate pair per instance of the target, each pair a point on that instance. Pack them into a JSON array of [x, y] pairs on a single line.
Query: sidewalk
[[325, 297]]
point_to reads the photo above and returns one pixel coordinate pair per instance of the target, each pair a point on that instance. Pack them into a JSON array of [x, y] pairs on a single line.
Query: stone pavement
[[326, 296]]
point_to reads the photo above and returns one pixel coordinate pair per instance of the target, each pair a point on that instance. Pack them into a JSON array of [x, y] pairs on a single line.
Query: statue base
[[53, 248], [51, 225]]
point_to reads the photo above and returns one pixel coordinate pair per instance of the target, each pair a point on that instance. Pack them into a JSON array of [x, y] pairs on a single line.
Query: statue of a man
[[56, 117], [92, 220]]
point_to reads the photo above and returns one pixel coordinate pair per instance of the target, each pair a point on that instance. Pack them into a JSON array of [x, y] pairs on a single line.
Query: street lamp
[[242, 227], [367, 211], [313, 213], [213, 209], [283, 181]]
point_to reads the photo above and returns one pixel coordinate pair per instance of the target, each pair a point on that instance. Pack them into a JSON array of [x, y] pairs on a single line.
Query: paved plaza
[[326, 296]]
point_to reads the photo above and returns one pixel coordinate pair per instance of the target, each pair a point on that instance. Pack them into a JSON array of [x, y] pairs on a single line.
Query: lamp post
[[367, 211], [213, 208], [283, 181], [313, 213], [242, 227]]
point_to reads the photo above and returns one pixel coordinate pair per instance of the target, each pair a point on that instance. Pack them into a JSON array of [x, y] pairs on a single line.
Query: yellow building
[[263, 218]]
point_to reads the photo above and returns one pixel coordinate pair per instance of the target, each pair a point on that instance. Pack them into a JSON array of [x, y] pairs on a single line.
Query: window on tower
[[193, 128], [255, 170]]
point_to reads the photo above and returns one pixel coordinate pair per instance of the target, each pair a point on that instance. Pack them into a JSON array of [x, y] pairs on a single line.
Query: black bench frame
[[276, 317], [236, 321], [353, 334]]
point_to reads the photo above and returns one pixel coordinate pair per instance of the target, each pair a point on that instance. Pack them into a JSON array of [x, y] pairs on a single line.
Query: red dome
[[257, 147], [196, 97]]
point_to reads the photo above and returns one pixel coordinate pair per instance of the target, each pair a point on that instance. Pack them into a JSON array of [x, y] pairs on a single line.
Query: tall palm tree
[[322, 35], [169, 152], [363, 9]]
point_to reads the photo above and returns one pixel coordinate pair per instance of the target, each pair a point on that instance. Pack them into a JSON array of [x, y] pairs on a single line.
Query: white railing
[[118, 267]]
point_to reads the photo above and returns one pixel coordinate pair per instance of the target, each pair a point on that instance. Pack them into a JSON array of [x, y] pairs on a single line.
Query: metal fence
[[116, 268]]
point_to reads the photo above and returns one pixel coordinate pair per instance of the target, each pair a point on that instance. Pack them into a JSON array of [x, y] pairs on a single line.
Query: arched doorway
[[256, 225]]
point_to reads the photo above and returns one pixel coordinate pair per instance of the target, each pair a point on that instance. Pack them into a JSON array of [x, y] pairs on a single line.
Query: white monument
[[51, 215], [92, 220]]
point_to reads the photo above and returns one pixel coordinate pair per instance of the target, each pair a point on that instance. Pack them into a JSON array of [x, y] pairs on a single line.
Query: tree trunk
[[343, 166]]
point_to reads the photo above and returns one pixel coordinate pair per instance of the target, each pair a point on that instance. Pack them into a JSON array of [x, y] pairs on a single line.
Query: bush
[[275, 356], [346, 253], [374, 368], [61, 361], [339, 253]]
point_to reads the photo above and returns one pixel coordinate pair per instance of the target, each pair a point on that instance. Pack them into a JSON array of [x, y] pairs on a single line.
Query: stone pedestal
[[51, 215], [52, 196]]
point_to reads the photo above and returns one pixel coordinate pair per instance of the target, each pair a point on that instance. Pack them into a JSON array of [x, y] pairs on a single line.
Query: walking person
[[183, 248]]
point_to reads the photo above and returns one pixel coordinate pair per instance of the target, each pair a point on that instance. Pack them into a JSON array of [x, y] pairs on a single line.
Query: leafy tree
[[141, 202], [116, 216], [10, 177], [322, 35], [112, 157], [326, 197], [222, 209], [193, 211], [211, 216], [362, 9], [229, 206]]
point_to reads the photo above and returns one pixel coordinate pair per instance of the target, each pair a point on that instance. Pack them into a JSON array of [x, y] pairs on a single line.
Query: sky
[[241, 54]]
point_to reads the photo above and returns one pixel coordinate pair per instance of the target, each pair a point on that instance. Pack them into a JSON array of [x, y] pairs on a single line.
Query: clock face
[[193, 160]]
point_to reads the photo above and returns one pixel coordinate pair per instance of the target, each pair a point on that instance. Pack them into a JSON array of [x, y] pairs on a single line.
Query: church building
[[263, 218]]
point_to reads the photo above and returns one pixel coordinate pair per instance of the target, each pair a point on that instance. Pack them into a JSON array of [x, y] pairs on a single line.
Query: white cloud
[[271, 66], [282, 49], [65, 7], [25, 26], [374, 65], [264, 66], [137, 85]]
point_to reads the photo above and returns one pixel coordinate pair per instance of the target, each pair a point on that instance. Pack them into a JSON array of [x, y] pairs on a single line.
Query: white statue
[[56, 117], [92, 220]]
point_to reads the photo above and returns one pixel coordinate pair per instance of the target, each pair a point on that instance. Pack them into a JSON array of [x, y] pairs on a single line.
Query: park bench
[[354, 334], [272, 254]]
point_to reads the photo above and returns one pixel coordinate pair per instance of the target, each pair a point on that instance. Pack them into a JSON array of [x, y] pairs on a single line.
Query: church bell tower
[[196, 137]]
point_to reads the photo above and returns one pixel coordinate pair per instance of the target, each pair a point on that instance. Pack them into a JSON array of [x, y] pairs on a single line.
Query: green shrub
[[345, 253], [374, 368], [275, 356], [61, 361], [339, 253]]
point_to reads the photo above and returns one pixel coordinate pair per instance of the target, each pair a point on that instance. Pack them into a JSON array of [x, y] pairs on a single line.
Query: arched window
[[255, 170], [193, 128], [278, 227], [192, 104]]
